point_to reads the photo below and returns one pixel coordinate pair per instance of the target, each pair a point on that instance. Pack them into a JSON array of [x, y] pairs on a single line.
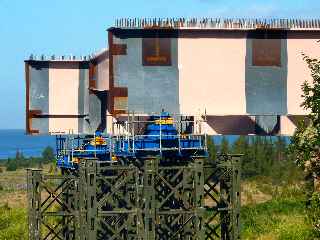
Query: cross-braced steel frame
[[52, 205], [152, 199]]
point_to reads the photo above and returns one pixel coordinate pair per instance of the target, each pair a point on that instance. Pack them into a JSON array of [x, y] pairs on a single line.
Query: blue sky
[[78, 27]]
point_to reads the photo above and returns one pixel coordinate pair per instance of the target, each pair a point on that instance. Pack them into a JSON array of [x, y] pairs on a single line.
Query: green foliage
[[283, 218], [13, 223], [48, 155], [224, 146], [306, 141], [266, 156], [314, 210], [12, 164], [52, 169], [262, 156], [212, 149]]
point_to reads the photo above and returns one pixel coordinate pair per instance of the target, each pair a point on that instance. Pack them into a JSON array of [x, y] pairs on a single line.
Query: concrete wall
[[298, 72], [63, 81], [150, 88], [83, 99], [39, 94], [58, 96], [216, 73], [212, 75], [39, 87], [63, 88], [103, 75], [210, 71], [266, 86], [213, 72]]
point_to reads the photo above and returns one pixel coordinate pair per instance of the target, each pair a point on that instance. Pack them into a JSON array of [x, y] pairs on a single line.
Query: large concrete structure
[[244, 75], [66, 95]]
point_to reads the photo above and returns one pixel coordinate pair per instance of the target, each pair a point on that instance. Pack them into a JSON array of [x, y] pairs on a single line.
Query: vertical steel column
[[70, 204], [90, 197], [83, 218], [189, 195], [236, 196], [140, 204], [222, 189], [199, 196], [34, 203], [225, 195], [77, 210], [150, 170], [230, 197]]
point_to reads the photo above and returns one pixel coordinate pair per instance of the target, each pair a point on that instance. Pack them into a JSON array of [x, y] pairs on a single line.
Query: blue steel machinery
[[160, 138], [148, 180]]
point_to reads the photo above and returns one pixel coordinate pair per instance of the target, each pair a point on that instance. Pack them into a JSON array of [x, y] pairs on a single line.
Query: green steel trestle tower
[[159, 184]]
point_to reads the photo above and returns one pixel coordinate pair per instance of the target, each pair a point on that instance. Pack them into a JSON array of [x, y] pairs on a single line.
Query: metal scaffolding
[[143, 200]]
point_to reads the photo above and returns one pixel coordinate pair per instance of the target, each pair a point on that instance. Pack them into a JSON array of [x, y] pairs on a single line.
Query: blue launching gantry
[[162, 137]]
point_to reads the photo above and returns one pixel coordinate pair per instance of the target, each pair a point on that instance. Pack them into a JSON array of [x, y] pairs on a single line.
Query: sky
[[78, 27]]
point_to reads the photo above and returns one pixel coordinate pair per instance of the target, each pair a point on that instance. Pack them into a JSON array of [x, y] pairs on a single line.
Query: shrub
[[314, 210], [48, 155], [11, 165]]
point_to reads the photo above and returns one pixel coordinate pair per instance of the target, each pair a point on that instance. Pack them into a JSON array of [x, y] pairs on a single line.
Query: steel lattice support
[[149, 195], [178, 200], [222, 191], [145, 201], [34, 202], [52, 206], [109, 200]]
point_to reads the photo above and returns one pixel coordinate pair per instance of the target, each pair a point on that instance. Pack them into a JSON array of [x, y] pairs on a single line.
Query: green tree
[[306, 141], [240, 146], [224, 146], [48, 155], [212, 149], [11, 165]]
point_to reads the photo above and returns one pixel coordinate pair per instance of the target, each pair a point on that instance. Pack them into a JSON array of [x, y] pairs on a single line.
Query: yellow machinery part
[[168, 121], [76, 160], [98, 141]]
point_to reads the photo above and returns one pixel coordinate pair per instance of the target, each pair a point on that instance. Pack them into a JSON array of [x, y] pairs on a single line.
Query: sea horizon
[[13, 140]]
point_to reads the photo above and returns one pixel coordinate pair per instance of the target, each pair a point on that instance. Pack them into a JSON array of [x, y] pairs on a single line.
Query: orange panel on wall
[[156, 52], [266, 52]]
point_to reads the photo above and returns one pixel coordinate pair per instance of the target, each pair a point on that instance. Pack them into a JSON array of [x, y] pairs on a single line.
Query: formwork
[[149, 199]]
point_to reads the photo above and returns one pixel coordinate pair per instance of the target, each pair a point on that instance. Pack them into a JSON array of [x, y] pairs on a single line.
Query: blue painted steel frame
[[160, 138]]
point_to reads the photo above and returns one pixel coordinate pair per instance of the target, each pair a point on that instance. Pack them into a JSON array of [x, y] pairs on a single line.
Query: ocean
[[12, 141]]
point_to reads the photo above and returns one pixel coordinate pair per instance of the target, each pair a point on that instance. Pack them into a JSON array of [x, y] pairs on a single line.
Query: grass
[[13, 204], [276, 219], [13, 201], [13, 189], [283, 217], [270, 211], [13, 223]]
